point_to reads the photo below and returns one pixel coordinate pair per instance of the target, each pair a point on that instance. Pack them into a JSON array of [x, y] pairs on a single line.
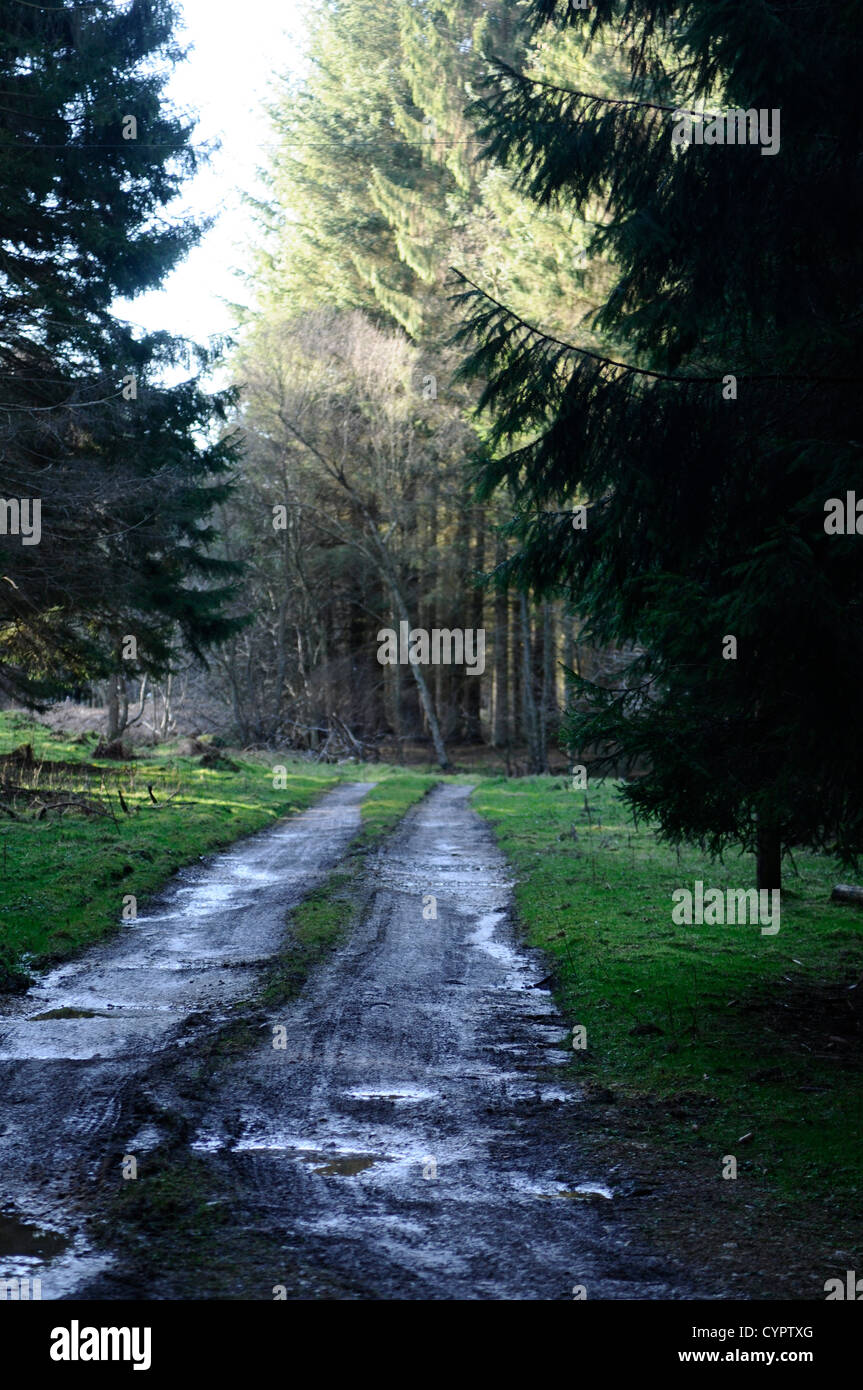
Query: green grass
[[394, 794], [763, 1031], [63, 877]]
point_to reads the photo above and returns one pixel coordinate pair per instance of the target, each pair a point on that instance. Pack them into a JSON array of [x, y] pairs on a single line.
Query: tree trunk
[[515, 732], [570, 657], [531, 721], [441, 702], [548, 705], [118, 706], [142, 699], [422, 687], [167, 714], [113, 709], [769, 857], [500, 658], [397, 697], [233, 678], [428, 710], [473, 685], [281, 665]]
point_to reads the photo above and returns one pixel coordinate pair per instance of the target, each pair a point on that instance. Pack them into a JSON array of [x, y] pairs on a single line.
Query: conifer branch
[[627, 367], [591, 96]]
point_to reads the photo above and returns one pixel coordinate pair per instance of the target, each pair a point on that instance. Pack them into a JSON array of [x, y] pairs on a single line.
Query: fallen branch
[[90, 808]]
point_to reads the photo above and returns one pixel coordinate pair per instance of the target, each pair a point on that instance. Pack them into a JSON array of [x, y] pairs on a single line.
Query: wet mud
[[77, 1051], [417, 1132]]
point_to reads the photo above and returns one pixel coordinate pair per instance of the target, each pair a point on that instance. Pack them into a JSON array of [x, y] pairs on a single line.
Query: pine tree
[[90, 155], [707, 443], [339, 160], [375, 187]]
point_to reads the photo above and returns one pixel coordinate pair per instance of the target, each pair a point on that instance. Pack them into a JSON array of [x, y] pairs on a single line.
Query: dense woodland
[[510, 357], [353, 419]]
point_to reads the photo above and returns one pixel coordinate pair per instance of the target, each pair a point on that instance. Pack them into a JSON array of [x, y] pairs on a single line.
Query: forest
[[516, 516], [514, 356]]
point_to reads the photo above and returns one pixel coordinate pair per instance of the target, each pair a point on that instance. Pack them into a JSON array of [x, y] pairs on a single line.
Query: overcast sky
[[234, 51]]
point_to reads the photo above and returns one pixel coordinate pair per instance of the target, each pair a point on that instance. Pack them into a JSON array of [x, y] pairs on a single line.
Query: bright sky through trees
[[233, 53]]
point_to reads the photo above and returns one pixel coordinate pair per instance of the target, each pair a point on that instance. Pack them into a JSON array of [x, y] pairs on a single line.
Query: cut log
[[847, 893]]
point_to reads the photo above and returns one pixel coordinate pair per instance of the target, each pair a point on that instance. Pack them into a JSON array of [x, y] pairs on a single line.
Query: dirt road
[[407, 1128], [410, 1128]]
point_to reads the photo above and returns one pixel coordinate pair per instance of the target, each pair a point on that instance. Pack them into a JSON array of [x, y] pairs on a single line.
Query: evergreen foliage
[[126, 469], [706, 495]]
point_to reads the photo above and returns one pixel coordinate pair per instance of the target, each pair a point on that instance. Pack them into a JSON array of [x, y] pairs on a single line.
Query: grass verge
[[704, 1043], [65, 872]]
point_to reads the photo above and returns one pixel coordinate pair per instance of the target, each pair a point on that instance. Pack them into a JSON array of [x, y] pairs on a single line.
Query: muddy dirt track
[[67, 1083], [413, 1130]]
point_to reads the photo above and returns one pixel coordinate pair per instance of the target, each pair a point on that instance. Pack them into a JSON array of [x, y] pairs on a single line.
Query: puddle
[[547, 1095], [483, 937], [344, 1163], [207, 1145], [341, 1165], [584, 1192], [551, 1035], [147, 1139], [408, 1095], [19, 1238], [65, 1013]]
